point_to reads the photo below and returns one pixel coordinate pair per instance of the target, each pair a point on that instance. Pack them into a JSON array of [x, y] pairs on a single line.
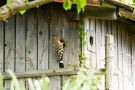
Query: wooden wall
[[124, 50], [26, 42]]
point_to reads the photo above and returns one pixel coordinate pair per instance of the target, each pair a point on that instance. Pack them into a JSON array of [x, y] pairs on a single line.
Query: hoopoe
[[59, 50]]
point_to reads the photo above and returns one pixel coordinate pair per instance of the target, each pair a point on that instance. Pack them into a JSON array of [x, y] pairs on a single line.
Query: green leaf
[[80, 5], [8, 1], [74, 0], [67, 4], [27, 1], [22, 12]]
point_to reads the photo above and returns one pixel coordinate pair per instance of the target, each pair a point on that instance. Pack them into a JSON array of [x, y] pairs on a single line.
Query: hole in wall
[[91, 40]]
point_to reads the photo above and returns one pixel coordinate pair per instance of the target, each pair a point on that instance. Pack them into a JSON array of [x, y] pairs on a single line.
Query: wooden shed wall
[[123, 45], [26, 44], [26, 41]]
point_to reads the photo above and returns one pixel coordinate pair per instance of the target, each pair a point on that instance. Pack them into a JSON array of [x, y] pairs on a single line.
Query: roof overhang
[[125, 11]]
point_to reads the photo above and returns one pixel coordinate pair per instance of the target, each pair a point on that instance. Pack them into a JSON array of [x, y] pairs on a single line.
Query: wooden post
[[109, 52]]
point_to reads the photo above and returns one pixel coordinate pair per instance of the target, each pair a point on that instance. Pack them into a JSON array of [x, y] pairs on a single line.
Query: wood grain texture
[[43, 37], [55, 29], [115, 62], [20, 43], [109, 57], [98, 42], [124, 65], [100, 13], [119, 42], [86, 48], [1, 47], [9, 43], [130, 62], [92, 28], [133, 63], [31, 40], [9, 48]]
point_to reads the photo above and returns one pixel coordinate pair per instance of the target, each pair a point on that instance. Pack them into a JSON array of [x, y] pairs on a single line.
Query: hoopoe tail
[[61, 65]]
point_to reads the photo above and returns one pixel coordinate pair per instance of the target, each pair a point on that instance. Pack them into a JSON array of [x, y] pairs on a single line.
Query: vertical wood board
[[55, 29], [98, 43], [43, 37], [92, 48], [20, 42], [31, 40], [119, 44], [9, 47]]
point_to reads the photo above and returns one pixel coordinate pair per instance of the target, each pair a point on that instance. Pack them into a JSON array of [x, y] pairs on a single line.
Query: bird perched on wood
[[59, 50]]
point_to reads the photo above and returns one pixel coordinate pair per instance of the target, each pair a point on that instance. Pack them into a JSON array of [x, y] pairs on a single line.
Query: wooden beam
[[126, 14], [38, 73], [101, 13], [109, 57], [51, 72]]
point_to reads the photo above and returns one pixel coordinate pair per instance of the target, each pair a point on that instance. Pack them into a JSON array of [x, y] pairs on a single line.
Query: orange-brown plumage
[[57, 41]]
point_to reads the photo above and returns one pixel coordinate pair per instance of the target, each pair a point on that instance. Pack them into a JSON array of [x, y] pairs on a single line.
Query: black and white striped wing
[[59, 53]]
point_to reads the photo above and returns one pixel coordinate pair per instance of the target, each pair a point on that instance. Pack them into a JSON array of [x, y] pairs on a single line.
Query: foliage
[[80, 4], [83, 81], [22, 11], [82, 57], [82, 34], [43, 83]]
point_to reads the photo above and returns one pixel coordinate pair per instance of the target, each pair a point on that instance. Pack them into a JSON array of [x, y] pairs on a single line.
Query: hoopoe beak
[[53, 35]]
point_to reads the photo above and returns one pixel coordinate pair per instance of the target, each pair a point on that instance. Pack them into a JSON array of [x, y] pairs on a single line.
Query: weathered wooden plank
[[43, 37], [55, 29], [124, 57], [102, 61], [66, 37], [71, 54], [74, 43], [115, 62], [1, 47], [20, 43], [109, 27], [109, 57], [91, 42], [9, 47], [133, 63], [115, 34], [9, 43], [119, 44], [98, 43], [101, 12], [55, 83], [31, 40], [85, 48], [103, 34], [52, 72], [127, 14], [130, 62]]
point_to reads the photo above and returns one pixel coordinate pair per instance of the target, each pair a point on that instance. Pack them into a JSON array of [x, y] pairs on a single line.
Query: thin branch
[[12, 8]]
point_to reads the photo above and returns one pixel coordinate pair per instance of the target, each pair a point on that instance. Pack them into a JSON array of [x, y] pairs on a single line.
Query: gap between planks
[[52, 72]]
